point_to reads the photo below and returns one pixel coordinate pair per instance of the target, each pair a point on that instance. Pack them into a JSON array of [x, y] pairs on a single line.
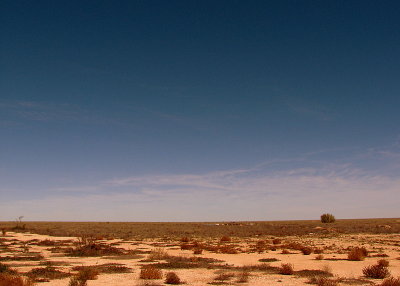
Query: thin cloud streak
[[344, 190]]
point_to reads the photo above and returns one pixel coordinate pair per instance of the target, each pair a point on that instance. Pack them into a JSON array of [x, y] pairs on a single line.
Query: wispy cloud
[[256, 193], [311, 109]]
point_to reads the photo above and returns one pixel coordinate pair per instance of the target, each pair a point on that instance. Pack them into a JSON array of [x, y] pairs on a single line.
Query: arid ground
[[347, 252]]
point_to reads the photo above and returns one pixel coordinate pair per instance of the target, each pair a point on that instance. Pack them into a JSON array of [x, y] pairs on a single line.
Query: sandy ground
[[335, 259]]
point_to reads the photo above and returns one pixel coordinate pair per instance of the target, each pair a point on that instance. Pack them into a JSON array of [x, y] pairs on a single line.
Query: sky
[[199, 110]]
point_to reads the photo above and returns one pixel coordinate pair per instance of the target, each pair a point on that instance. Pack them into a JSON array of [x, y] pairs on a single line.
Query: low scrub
[[14, 280], [107, 268], [376, 272], [158, 254], [286, 269], [48, 272], [150, 272], [172, 278], [357, 254], [306, 250], [243, 277], [391, 281], [91, 247]]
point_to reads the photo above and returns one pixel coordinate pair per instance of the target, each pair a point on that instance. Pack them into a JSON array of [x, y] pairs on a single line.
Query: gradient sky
[[199, 110]]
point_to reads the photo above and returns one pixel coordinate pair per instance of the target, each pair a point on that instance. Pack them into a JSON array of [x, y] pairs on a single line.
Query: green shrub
[[328, 218]]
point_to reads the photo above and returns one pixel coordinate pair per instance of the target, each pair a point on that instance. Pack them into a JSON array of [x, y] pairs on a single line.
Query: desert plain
[[347, 252]]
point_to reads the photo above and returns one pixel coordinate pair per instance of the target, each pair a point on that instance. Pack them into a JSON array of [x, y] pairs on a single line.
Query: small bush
[[48, 272], [75, 281], [357, 254], [225, 239], [323, 281], [150, 272], [4, 268], [186, 246], [328, 218], [276, 241], [172, 278], [391, 281], [14, 280], [88, 273], [198, 251], [286, 269], [376, 272], [224, 276], [285, 251], [306, 250], [158, 254], [185, 239], [243, 277], [319, 257], [383, 262]]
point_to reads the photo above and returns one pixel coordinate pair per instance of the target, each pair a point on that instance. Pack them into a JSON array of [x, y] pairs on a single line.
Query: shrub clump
[[243, 276], [323, 281], [306, 250], [383, 262], [225, 239], [376, 271], [357, 254], [286, 269], [172, 278], [328, 218], [391, 281], [150, 272], [14, 280], [48, 272]]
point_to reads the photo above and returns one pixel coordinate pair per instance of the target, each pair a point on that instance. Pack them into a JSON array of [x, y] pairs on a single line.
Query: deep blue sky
[[199, 110]]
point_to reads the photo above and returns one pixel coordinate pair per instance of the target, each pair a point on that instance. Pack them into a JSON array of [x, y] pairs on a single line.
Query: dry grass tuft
[[14, 280], [286, 269], [225, 239], [48, 272], [376, 271], [277, 241], [224, 276], [323, 281], [306, 250], [357, 254], [158, 254], [243, 277], [391, 281], [197, 251], [172, 278], [89, 246], [150, 272], [383, 262]]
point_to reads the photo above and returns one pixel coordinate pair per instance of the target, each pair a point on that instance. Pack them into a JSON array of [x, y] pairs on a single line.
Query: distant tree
[[328, 218]]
